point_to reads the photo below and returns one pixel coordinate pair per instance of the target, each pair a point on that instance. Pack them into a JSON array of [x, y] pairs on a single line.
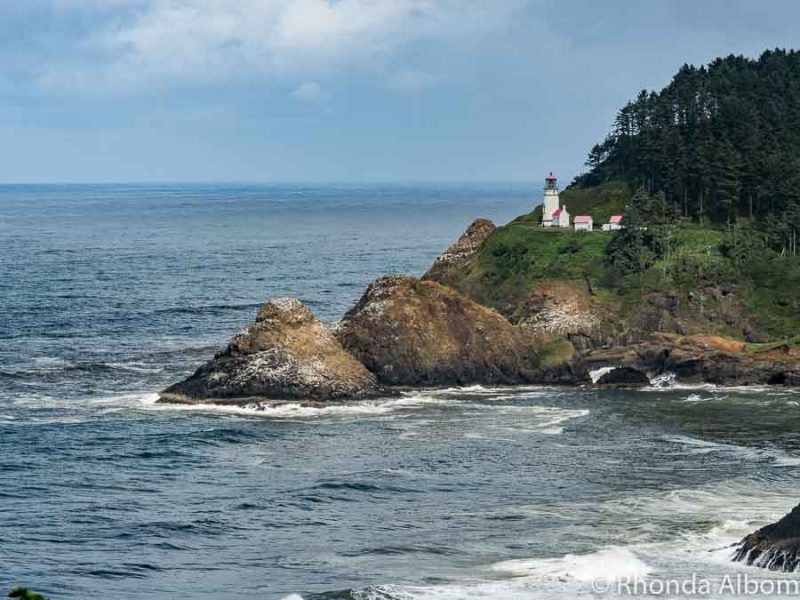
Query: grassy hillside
[[600, 201], [694, 288]]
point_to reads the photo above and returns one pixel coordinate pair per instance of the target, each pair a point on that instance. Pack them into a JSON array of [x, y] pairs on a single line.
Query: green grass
[[766, 347], [694, 256], [518, 256], [770, 291], [556, 352], [600, 201]]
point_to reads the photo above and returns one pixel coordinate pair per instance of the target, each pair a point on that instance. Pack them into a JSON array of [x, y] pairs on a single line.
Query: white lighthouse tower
[[552, 213]]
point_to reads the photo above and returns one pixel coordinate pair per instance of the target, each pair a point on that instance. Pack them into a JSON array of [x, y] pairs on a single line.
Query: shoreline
[[398, 391]]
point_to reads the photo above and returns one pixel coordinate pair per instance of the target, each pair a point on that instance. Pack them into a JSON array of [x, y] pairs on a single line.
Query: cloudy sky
[[342, 90]]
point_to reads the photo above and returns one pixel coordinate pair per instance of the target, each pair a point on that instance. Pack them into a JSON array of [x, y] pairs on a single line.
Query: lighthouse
[[553, 215]]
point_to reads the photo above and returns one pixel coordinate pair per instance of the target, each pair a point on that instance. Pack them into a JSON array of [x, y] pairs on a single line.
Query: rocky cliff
[[419, 333], [471, 241], [706, 358], [285, 354], [501, 318], [559, 283], [403, 332], [775, 547]]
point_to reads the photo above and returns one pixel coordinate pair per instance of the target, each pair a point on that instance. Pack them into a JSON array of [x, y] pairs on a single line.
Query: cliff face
[[557, 283], [521, 305], [707, 358], [285, 354], [413, 332]]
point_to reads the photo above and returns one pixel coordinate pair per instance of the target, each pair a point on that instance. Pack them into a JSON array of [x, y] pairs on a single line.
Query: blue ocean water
[[110, 293]]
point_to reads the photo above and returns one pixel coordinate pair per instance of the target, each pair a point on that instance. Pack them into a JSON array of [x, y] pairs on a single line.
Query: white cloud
[[310, 91], [218, 40]]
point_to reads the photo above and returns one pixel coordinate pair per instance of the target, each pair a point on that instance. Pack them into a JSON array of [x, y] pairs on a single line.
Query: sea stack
[[412, 332], [286, 354]]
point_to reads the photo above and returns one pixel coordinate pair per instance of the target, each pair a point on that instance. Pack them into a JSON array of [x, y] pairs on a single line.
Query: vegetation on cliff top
[[712, 230], [721, 141], [520, 256]]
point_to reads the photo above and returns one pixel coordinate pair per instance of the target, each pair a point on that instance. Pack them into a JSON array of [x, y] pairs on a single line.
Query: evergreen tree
[[645, 234], [721, 142]]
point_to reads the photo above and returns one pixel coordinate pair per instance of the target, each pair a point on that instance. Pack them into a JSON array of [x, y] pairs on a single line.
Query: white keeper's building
[[583, 223]]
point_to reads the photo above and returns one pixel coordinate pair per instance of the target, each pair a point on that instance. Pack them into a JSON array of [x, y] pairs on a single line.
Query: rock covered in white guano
[[459, 252], [413, 332], [287, 353]]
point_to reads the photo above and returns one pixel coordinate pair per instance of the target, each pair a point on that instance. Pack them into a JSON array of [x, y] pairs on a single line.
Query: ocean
[[108, 293]]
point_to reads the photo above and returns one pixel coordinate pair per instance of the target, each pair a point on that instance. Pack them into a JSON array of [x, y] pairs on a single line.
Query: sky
[[342, 90]]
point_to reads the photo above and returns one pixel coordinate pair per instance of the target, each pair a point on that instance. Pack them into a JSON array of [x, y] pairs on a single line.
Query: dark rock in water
[[707, 358], [286, 354], [415, 332], [624, 377], [775, 547]]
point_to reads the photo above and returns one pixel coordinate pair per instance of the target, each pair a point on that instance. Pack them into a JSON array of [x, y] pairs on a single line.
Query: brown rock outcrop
[[415, 332], [285, 354], [470, 242], [706, 358]]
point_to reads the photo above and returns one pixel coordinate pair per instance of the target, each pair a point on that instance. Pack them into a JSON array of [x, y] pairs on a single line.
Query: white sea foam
[[706, 552], [547, 419], [526, 579], [774, 456], [697, 398], [669, 381], [662, 381], [497, 392], [135, 367], [596, 374], [299, 410], [607, 564], [787, 460]]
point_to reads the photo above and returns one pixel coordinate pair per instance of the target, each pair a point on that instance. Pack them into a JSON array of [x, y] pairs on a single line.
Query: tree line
[[720, 142]]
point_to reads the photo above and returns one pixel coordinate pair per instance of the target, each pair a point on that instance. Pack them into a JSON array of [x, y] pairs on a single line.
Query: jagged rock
[[470, 242], [415, 332], [775, 547], [560, 362], [624, 377], [285, 354], [707, 358], [557, 307]]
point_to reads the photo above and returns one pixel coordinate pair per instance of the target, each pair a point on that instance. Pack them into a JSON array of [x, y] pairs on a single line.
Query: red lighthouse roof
[[551, 177]]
